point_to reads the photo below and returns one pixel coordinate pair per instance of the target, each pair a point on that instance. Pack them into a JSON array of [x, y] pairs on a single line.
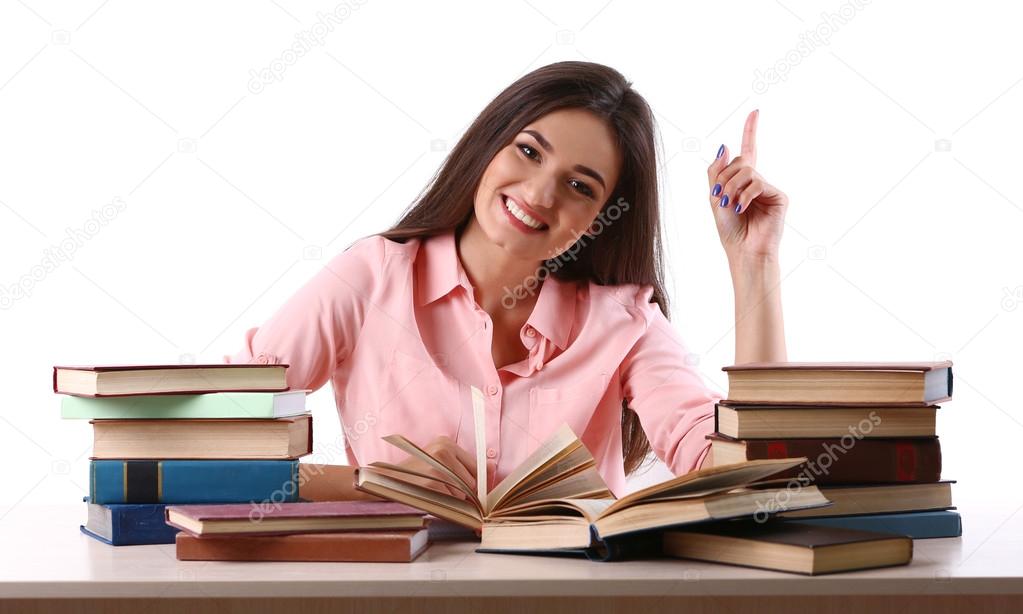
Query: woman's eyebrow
[[578, 167]]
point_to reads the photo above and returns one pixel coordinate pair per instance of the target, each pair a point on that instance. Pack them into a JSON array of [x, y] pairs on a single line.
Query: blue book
[[126, 524], [193, 481], [918, 525]]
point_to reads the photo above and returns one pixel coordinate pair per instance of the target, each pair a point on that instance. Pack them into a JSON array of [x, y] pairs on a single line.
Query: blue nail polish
[[724, 200], [716, 190], [737, 207], [721, 150]]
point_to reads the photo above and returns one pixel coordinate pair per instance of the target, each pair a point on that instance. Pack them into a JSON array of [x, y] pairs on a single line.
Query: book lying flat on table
[[127, 524], [757, 421], [115, 380], [234, 438], [853, 383], [357, 546], [302, 517], [791, 547], [213, 405], [556, 500]]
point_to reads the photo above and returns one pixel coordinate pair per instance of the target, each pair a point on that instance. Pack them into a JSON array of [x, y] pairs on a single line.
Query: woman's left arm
[[750, 216]]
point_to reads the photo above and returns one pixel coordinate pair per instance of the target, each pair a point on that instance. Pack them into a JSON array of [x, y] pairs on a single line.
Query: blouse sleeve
[[317, 327], [675, 407]]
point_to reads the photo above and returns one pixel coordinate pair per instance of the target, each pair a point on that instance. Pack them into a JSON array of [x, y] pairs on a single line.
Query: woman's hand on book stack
[[444, 449]]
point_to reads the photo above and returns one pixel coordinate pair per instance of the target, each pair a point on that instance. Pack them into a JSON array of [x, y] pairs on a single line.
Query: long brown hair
[[629, 251]]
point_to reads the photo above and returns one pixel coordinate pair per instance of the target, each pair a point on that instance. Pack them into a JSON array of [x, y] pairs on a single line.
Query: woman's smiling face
[[543, 190]]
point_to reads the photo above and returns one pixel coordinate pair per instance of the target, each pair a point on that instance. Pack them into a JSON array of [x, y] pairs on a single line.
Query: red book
[[362, 546], [840, 461], [286, 518]]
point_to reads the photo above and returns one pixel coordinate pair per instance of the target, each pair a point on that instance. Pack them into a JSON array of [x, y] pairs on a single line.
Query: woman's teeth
[[522, 216]]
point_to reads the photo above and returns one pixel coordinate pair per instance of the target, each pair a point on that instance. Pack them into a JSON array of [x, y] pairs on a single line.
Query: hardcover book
[[165, 406], [360, 546], [209, 438], [193, 481], [804, 549], [127, 524], [840, 460], [285, 518], [851, 383], [115, 380]]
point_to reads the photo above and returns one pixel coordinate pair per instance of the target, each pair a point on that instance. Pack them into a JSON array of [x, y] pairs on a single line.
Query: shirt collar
[[439, 271]]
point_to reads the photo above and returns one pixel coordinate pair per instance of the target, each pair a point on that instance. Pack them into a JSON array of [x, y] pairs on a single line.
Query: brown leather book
[[906, 384], [805, 549], [751, 421], [304, 517], [121, 380], [840, 461], [203, 438], [370, 547]]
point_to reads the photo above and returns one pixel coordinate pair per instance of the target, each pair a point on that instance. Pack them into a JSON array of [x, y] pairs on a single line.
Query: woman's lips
[[516, 222]]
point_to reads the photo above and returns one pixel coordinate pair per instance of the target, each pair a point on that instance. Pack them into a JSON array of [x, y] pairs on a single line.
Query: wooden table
[[46, 565]]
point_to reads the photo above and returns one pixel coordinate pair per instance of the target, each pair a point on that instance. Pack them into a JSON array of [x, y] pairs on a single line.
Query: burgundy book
[[284, 518], [361, 546], [123, 380], [906, 384], [840, 461]]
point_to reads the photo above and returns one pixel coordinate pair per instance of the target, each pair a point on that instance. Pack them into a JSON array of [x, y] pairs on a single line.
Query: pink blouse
[[397, 330]]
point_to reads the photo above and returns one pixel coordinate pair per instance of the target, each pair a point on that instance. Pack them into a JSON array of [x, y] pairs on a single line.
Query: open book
[[556, 499]]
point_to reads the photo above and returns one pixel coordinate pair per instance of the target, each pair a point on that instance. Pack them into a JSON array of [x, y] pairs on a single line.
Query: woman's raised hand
[[749, 211]]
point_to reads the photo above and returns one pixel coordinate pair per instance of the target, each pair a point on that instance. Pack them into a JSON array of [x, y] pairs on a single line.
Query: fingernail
[[737, 207], [721, 150], [724, 200], [716, 190]]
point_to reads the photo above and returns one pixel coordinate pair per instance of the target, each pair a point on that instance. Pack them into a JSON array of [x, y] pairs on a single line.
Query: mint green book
[[207, 405]]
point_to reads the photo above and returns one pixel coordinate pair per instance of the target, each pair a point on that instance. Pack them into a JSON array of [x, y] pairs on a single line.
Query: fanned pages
[[556, 499]]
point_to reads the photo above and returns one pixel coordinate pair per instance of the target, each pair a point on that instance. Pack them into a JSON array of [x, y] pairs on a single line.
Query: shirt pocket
[[572, 403], [418, 399]]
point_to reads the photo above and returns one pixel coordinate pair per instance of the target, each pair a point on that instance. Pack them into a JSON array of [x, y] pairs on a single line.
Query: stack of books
[[176, 434], [868, 431]]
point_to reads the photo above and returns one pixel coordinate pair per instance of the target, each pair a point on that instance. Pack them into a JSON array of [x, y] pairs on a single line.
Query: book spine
[[133, 525], [396, 547], [845, 461], [629, 547], [193, 481], [916, 525]]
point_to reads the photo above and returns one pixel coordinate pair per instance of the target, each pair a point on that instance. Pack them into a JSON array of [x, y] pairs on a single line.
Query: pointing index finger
[[749, 137]]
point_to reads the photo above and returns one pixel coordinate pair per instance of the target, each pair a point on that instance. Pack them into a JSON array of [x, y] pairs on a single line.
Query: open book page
[[719, 478], [398, 472], [585, 482], [444, 506], [552, 509], [412, 449], [562, 439]]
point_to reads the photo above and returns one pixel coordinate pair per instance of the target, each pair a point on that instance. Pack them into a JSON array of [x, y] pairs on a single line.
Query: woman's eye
[[584, 189], [524, 149]]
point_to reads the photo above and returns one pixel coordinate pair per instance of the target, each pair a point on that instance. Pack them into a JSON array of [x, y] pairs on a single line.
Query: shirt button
[[492, 389], [530, 331], [491, 453]]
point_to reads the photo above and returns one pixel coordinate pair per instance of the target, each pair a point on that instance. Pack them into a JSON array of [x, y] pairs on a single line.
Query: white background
[[896, 135]]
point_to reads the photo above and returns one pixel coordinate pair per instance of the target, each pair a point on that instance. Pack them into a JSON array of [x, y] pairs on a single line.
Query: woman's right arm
[[312, 332]]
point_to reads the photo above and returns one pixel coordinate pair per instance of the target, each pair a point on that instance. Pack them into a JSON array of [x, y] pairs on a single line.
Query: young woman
[[530, 268]]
